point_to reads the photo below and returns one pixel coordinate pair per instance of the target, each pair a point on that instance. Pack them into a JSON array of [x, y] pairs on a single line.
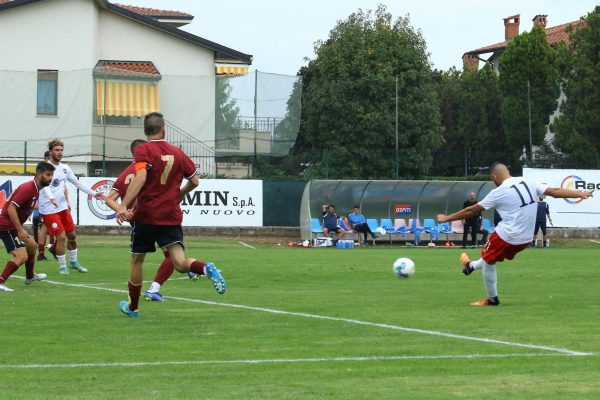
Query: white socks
[[154, 287], [490, 278], [62, 261], [73, 255], [477, 264]]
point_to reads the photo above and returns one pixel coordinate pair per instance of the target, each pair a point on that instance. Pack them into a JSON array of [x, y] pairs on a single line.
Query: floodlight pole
[[397, 155], [529, 117], [104, 128], [255, 120]]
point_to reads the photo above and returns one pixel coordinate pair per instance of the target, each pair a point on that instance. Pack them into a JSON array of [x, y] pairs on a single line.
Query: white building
[[58, 58]]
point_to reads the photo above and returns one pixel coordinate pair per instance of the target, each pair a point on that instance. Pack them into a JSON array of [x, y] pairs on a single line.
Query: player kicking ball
[[515, 200], [18, 243]]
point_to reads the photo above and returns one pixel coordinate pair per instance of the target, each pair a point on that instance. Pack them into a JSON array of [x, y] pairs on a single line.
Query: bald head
[[499, 172]]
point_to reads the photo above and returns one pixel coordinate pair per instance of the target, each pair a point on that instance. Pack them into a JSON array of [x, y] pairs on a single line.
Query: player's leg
[[465, 234], [474, 229], [194, 266], [15, 248], [35, 224], [165, 270], [535, 233], [30, 275], [55, 227], [41, 242], [143, 238], [134, 286], [69, 226], [544, 234]]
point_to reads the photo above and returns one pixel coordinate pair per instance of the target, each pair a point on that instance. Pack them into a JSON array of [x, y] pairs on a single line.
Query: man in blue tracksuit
[[330, 221], [359, 224]]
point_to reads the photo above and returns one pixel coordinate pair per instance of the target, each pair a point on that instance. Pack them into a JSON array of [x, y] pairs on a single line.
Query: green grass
[[549, 298]]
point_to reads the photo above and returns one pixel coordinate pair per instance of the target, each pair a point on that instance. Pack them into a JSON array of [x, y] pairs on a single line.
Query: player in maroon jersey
[[160, 169], [16, 240], [119, 190]]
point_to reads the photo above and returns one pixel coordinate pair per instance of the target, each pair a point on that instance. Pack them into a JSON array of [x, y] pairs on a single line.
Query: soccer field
[[307, 324]]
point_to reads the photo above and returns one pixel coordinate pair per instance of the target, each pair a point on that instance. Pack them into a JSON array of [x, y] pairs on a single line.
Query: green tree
[[528, 59], [350, 99], [577, 128], [470, 109], [226, 115], [480, 126]]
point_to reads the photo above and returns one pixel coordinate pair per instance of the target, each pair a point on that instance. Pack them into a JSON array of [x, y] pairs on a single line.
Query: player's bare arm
[[568, 193], [111, 200], [14, 218], [191, 184], [465, 213]]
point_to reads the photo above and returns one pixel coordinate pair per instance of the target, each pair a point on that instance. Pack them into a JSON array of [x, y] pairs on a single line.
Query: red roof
[[554, 34], [154, 12], [144, 67]]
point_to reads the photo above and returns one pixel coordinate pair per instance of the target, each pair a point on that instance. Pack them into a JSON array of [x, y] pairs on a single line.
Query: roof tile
[[153, 12], [554, 34], [145, 67]]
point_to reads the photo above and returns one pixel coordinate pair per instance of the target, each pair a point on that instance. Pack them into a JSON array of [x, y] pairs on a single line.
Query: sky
[[281, 34]]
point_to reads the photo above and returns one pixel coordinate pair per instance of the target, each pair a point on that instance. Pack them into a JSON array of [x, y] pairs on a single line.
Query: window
[[47, 90]]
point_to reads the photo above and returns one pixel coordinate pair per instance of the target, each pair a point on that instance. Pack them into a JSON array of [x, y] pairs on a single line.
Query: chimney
[[511, 27], [470, 62], [540, 21]]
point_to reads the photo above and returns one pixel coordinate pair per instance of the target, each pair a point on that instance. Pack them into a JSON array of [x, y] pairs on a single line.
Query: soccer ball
[[403, 267]]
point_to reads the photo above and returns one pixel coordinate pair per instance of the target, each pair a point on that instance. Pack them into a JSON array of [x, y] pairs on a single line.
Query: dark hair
[[46, 154], [135, 144], [331, 205], [356, 206], [43, 167], [153, 123]]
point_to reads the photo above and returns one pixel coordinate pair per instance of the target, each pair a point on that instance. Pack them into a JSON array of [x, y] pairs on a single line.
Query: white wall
[[71, 36], [187, 89], [57, 35]]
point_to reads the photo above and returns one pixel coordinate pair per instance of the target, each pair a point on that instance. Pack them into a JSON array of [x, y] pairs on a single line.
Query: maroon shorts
[[59, 222], [496, 249]]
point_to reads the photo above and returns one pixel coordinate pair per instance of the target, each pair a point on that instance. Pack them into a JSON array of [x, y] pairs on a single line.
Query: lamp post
[[529, 117], [397, 155]]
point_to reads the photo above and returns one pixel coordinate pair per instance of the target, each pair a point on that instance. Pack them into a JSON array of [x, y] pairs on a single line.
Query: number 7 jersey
[[167, 166], [516, 202]]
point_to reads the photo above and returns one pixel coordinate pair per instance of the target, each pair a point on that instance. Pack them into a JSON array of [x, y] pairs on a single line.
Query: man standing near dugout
[[514, 199], [160, 169], [18, 243], [55, 210]]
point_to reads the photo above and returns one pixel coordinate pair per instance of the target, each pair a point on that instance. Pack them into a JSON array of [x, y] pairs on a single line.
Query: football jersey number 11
[[523, 204], [170, 159]]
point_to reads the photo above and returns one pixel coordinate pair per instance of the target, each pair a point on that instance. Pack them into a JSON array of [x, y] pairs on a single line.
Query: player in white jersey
[[54, 207], [515, 200]]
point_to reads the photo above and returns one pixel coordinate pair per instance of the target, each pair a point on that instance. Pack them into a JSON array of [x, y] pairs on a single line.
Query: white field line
[[349, 321], [112, 283], [247, 245], [286, 360], [595, 241]]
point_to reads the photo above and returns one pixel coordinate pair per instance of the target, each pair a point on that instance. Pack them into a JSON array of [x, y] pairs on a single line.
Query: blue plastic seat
[[487, 225], [388, 226], [315, 226], [429, 226]]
